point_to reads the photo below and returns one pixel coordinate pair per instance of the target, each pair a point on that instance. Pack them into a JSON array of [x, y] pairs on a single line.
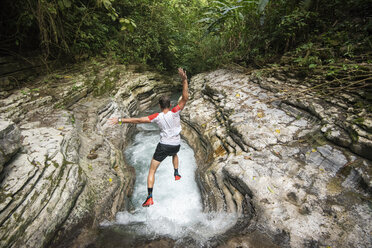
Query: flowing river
[[177, 213]]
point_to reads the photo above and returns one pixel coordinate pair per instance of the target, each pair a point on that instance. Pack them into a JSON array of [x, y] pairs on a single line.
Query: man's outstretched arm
[[185, 88], [116, 120]]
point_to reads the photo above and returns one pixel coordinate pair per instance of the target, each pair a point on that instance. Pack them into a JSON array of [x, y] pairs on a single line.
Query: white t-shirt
[[170, 126]]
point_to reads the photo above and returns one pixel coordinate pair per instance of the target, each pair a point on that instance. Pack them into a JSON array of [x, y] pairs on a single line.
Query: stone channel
[[291, 169]]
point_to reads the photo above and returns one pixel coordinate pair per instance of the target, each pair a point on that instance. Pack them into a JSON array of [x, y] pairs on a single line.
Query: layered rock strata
[[293, 182], [70, 173], [295, 170]]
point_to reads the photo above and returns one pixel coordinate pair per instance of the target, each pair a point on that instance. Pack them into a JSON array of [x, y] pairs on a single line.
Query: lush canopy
[[198, 35]]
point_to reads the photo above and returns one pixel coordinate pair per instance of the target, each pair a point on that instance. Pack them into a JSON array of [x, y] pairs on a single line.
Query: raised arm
[[115, 120], [185, 88]]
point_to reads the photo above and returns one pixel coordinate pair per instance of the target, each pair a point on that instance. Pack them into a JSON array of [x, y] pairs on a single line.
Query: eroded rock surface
[[271, 161], [296, 170], [70, 173]]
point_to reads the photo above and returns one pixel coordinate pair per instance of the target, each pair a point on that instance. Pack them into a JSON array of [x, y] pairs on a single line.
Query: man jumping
[[169, 123]]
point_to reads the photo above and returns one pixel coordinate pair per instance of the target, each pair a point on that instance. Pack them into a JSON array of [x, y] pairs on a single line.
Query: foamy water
[[177, 212]]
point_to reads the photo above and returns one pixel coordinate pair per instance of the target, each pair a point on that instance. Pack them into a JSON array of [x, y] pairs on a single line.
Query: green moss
[[359, 120], [354, 135], [334, 185], [316, 139], [34, 196], [65, 162], [59, 106], [4, 195], [76, 88], [57, 76], [80, 171], [345, 171], [35, 90], [107, 84], [370, 205], [72, 119], [56, 165]]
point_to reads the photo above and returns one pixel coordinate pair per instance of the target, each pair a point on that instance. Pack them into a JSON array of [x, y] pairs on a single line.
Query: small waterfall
[[177, 212]]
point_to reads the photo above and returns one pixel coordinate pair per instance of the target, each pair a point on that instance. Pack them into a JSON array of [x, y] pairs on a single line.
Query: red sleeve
[[176, 109], [153, 116]]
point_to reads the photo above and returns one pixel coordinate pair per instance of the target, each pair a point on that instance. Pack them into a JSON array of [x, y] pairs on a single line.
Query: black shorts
[[162, 151]]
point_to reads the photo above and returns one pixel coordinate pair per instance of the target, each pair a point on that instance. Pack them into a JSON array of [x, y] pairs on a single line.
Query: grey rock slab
[[50, 183], [9, 141], [291, 174]]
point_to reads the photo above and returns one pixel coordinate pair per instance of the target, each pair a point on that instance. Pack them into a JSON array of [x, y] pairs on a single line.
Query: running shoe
[[177, 177], [148, 202]]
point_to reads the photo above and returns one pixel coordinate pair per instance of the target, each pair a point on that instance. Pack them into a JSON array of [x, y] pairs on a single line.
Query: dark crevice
[[204, 143], [219, 190]]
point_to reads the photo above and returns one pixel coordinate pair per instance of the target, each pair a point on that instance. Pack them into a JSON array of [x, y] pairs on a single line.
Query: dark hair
[[164, 102]]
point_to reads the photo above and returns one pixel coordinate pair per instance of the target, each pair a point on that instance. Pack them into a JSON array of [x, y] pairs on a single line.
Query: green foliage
[[127, 24], [258, 32], [197, 35]]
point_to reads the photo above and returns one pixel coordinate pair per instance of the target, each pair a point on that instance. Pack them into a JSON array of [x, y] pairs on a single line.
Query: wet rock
[[9, 141]]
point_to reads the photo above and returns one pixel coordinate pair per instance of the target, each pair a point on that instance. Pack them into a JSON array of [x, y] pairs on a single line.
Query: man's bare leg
[[150, 182], [151, 177], [175, 161], [175, 165]]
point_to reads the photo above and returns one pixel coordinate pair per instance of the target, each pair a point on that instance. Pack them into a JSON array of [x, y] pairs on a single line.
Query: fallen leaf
[[110, 180], [248, 157], [314, 150], [220, 151], [237, 95], [270, 189], [277, 130], [60, 128], [254, 178], [92, 156], [260, 114]]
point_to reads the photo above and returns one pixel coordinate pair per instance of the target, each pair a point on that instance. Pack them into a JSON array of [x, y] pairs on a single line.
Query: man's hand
[[113, 120], [182, 74], [185, 88]]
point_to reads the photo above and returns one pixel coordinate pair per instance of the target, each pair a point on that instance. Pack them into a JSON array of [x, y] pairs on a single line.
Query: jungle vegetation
[[327, 39]]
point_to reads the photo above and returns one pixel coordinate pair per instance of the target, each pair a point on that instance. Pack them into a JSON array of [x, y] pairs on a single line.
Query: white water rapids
[[177, 212]]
